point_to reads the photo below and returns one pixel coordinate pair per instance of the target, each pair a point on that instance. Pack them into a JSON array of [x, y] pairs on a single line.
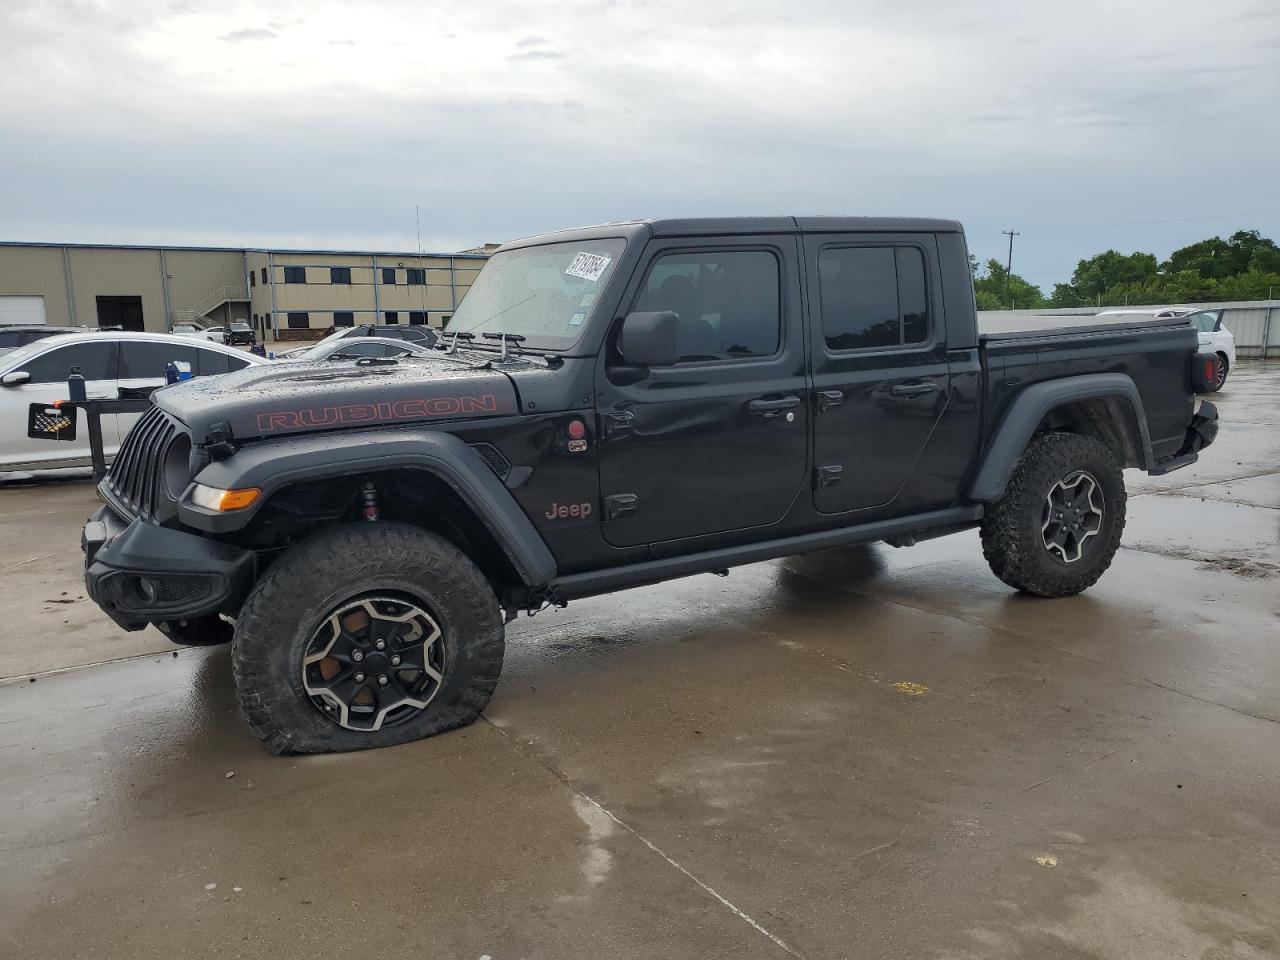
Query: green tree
[[1110, 269], [989, 289], [1218, 259]]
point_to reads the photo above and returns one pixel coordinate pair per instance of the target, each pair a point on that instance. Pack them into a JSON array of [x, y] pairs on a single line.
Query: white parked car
[[357, 348], [212, 334], [1215, 338], [111, 362]]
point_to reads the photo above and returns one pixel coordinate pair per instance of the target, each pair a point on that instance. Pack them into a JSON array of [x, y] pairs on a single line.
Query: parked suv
[[239, 333], [616, 406]]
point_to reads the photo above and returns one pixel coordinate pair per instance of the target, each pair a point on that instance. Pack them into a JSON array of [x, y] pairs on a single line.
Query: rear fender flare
[[272, 466], [1029, 408]]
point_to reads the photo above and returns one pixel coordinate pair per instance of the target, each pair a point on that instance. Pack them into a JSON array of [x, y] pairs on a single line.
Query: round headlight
[[177, 466]]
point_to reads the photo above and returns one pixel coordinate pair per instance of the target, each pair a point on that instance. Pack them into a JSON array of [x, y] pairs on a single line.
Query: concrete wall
[[1254, 323]]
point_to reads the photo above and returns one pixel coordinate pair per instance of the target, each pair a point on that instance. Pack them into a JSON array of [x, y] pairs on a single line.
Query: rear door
[[880, 373], [48, 371], [718, 442]]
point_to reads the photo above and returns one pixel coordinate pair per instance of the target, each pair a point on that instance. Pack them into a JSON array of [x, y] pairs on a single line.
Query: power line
[[1144, 223]]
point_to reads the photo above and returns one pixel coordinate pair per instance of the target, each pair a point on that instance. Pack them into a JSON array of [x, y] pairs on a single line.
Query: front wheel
[[1058, 525], [365, 636]]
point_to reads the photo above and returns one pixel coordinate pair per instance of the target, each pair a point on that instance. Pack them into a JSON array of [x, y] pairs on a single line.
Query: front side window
[[295, 274], [298, 319], [339, 274], [546, 294], [96, 360], [873, 297], [727, 302]]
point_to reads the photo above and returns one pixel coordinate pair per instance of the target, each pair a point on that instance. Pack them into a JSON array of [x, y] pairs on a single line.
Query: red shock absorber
[[370, 501]]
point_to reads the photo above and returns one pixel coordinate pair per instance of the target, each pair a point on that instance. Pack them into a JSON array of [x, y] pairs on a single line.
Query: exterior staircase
[[198, 312]]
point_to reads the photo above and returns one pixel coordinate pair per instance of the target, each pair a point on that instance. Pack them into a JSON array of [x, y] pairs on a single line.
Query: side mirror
[[649, 339], [15, 377]]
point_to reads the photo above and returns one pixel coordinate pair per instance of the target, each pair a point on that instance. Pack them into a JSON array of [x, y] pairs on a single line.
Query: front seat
[[696, 337]]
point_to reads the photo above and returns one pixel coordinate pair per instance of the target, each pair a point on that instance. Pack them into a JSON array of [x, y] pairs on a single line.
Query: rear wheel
[[1220, 368], [1058, 525], [365, 636]]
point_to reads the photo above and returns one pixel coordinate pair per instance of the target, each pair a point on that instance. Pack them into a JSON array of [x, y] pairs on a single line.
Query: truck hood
[[289, 398]]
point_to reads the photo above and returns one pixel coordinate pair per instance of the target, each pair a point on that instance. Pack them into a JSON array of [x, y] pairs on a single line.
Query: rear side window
[[873, 297], [146, 361], [96, 360], [727, 301]]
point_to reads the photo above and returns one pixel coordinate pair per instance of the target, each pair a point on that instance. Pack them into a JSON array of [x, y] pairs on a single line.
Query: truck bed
[[1019, 326]]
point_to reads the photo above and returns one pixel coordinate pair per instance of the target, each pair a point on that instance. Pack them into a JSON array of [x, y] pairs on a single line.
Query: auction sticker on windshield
[[588, 266]]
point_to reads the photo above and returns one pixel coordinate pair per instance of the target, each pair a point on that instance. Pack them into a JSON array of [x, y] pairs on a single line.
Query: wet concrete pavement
[[860, 753]]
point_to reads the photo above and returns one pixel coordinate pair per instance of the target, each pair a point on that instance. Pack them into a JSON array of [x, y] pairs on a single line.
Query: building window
[[445, 318], [264, 276], [873, 297], [253, 279], [295, 274], [298, 319], [389, 276], [417, 316], [392, 316], [339, 274], [344, 318], [417, 277]]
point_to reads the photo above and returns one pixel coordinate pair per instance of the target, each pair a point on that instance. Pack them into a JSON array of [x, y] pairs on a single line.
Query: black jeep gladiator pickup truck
[[615, 406]]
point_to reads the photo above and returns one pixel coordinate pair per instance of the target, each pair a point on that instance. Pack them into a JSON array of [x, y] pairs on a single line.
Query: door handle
[[771, 408], [917, 389]]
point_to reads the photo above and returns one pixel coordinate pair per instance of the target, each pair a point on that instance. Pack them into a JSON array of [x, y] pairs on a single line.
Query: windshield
[[545, 294]]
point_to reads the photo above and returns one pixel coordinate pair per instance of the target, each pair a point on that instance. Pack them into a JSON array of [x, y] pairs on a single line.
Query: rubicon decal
[[414, 409]]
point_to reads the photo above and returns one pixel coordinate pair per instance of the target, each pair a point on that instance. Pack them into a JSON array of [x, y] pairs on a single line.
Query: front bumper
[[139, 573]]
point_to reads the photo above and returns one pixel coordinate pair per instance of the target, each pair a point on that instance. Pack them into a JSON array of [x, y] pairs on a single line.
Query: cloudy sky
[[1136, 124]]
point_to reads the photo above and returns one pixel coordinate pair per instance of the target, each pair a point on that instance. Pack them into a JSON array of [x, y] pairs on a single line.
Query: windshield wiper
[[506, 338], [453, 344]]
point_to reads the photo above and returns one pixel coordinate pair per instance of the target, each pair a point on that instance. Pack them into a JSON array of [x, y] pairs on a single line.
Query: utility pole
[[1008, 269]]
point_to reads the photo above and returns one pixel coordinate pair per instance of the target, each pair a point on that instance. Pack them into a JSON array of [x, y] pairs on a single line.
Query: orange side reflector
[[238, 499]]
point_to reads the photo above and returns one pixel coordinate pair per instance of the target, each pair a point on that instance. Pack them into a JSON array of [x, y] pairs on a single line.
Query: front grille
[[136, 478]]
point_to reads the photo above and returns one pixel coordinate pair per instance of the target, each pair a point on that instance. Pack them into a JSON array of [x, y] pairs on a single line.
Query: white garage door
[[21, 310]]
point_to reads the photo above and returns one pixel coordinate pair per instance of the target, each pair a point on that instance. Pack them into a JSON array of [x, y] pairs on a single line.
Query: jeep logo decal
[[370, 412], [568, 511]]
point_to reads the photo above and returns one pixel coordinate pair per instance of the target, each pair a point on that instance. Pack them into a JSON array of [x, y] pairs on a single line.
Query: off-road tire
[[207, 631], [293, 598], [1012, 541]]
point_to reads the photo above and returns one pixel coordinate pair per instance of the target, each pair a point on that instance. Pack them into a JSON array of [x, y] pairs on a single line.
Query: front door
[[718, 442], [880, 376]]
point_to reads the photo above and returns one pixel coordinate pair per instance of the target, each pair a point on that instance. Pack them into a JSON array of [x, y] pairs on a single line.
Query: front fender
[[271, 466], [1029, 407]]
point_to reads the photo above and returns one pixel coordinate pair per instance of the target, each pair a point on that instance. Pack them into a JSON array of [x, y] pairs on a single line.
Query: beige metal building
[[285, 294]]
